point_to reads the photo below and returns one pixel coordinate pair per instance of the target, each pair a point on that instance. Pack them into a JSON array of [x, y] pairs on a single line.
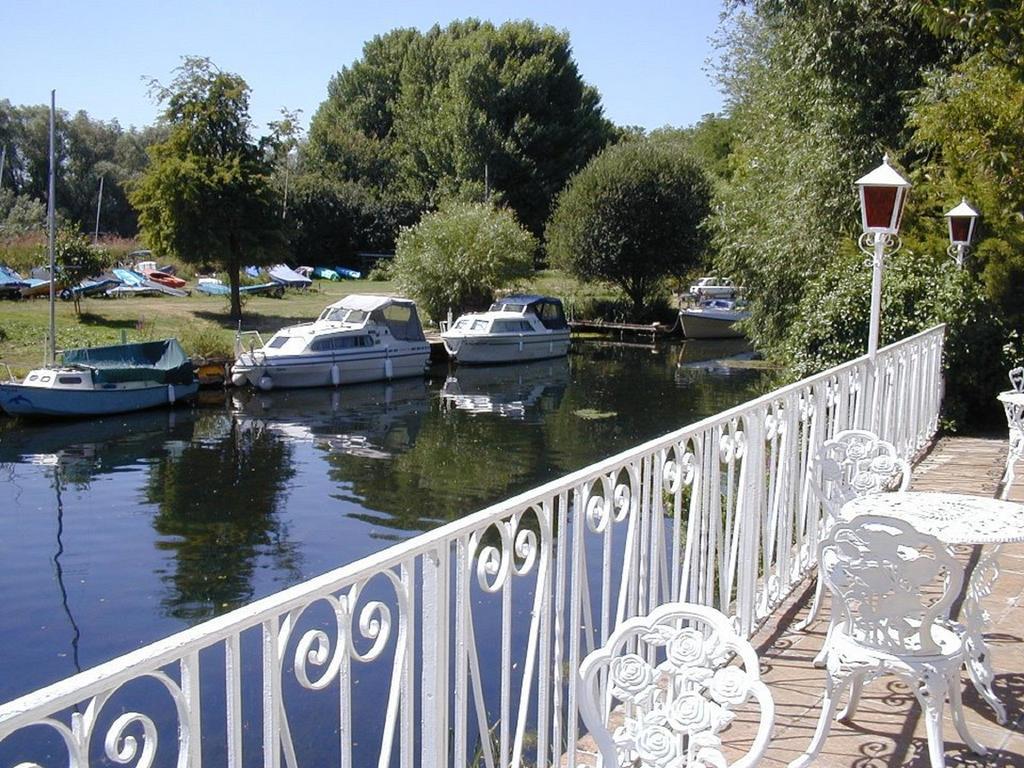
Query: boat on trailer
[[360, 338], [515, 329], [96, 381]]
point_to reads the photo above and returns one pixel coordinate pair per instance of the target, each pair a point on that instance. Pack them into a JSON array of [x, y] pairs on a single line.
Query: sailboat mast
[[51, 216]]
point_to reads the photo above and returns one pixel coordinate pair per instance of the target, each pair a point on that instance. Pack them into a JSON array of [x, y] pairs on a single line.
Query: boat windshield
[[344, 315], [507, 306]]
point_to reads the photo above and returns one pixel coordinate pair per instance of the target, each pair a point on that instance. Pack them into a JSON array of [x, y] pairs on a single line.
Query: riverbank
[[199, 322]]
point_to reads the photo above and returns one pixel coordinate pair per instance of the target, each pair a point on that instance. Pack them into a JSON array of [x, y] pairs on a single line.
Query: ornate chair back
[[1017, 379], [855, 463], [891, 583], [677, 677]]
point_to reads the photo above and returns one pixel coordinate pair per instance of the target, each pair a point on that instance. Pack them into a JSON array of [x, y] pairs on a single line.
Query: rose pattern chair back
[[856, 463], [890, 582], [677, 676]]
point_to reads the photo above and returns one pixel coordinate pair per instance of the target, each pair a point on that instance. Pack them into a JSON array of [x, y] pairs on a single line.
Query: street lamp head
[[883, 193], [961, 223]]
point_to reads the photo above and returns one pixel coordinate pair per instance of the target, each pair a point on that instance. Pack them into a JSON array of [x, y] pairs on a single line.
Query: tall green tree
[[206, 196], [632, 217], [460, 111]]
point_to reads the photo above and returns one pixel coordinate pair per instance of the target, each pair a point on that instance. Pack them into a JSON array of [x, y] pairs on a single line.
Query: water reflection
[[217, 501], [87, 449], [514, 392]]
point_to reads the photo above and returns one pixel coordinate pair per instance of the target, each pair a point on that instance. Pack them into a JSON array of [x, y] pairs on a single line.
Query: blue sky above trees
[[647, 58]]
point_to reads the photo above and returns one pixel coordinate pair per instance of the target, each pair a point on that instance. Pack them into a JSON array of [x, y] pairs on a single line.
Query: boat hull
[[511, 348], [21, 400], [701, 325], [299, 371]]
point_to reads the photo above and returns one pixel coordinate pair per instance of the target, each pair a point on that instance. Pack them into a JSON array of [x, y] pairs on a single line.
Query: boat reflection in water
[[374, 421], [512, 392]]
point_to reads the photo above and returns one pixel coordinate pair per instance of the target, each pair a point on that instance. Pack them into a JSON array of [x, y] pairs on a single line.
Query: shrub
[[460, 255], [206, 340]]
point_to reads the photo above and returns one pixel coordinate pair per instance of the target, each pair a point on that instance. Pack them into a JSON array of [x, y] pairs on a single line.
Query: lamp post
[[961, 230], [883, 193]]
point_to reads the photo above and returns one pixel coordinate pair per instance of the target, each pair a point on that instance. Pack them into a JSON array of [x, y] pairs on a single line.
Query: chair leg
[[931, 695], [819, 660], [834, 689], [851, 704], [956, 707], [1008, 476], [812, 614]]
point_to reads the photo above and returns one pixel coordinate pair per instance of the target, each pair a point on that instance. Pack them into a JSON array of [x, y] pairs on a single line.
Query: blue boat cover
[[346, 272], [162, 361], [325, 274]]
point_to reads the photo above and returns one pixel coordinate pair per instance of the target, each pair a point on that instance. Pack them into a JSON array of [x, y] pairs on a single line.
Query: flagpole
[[51, 216]]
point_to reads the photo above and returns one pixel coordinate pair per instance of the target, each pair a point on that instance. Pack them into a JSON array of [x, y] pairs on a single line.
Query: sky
[[647, 58]]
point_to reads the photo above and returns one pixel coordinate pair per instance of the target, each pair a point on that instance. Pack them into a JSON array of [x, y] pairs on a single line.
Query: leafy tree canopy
[[206, 195], [426, 116], [458, 256], [633, 216]]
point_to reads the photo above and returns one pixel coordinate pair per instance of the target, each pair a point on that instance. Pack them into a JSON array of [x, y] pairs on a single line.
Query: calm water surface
[[116, 532]]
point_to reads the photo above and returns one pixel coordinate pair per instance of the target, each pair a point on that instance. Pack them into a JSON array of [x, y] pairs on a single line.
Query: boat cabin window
[[277, 342], [332, 343], [479, 325], [33, 377], [507, 306], [69, 379], [344, 315], [511, 326], [551, 314], [464, 324]]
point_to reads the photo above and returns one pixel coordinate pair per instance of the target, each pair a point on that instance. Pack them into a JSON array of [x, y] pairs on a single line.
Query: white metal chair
[[893, 586], [1017, 379], [853, 463], [677, 677]]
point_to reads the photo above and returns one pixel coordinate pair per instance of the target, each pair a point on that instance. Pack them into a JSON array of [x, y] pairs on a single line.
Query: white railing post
[[434, 683]]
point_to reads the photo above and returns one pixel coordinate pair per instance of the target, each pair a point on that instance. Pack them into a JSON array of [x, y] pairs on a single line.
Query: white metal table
[[1013, 403], [959, 519]]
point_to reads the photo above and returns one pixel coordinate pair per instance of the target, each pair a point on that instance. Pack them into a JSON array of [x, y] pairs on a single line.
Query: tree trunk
[[234, 271]]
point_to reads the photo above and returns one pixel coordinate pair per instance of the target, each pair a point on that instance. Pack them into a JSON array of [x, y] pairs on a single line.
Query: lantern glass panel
[[959, 229], [878, 206]]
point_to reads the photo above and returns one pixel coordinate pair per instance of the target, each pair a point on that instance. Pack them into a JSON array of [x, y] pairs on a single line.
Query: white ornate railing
[[458, 647]]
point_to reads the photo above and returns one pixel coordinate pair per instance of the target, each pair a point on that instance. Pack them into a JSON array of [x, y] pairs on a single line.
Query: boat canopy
[[399, 315], [547, 309], [162, 361]]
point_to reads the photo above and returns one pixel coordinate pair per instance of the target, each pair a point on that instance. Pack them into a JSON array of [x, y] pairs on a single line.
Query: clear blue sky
[[646, 57]]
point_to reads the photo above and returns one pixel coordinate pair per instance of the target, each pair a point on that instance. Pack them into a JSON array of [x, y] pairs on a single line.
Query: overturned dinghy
[[360, 338]]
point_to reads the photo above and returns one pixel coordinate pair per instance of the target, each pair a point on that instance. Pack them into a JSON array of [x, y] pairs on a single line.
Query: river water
[[116, 532]]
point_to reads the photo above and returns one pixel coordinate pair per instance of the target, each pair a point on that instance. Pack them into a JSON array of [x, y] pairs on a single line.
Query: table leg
[[975, 619]]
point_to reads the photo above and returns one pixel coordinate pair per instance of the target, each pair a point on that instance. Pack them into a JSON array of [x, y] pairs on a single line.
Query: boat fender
[[388, 368], [266, 383], [170, 394], [335, 375], [520, 342], [238, 379]]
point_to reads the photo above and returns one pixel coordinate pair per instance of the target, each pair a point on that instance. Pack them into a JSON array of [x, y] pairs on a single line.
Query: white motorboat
[[514, 329], [360, 338], [713, 319]]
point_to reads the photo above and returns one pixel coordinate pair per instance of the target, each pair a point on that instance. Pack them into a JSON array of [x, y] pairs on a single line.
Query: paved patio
[[888, 729]]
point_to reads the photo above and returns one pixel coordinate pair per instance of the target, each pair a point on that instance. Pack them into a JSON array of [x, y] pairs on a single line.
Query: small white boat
[[360, 338], [713, 319], [514, 329], [96, 381]]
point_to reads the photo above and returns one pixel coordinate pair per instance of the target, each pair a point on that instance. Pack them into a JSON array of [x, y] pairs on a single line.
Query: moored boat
[[96, 381], [360, 338], [713, 319], [514, 329]]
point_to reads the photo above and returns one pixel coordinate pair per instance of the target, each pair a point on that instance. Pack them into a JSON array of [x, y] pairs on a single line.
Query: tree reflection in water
[[218, 499]]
